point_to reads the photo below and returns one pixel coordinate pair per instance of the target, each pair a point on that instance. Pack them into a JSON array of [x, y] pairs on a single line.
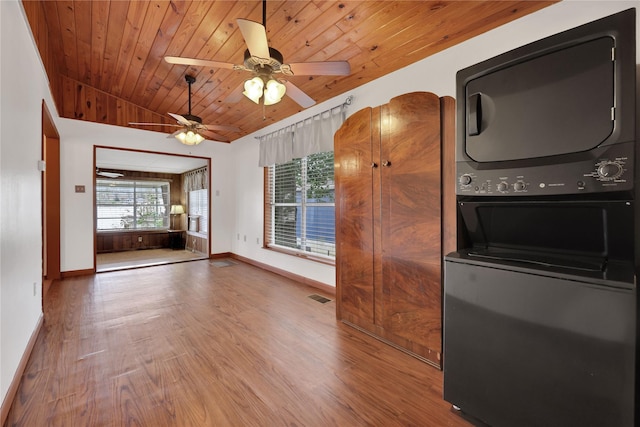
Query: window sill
[[134, 230], [309, 256], [197, 233]]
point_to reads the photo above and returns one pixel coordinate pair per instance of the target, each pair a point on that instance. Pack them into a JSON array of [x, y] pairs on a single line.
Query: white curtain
[[276, 147], [197, 179], [310, 136]]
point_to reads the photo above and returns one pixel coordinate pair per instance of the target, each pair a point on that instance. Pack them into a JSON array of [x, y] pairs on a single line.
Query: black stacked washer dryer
[[540, 306]]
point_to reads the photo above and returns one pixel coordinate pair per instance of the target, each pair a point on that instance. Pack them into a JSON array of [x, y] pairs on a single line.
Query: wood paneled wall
[[118, 241], [197, 242], [83, 102]]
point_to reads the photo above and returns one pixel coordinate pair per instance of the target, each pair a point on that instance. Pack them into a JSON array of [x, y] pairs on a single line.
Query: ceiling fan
[[108, 174], [191, 126], [264, 61]]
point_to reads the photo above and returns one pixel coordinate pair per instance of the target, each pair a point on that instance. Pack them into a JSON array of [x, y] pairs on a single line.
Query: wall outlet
[[257, 240], [35, 290], [245, 237], [140, 239]]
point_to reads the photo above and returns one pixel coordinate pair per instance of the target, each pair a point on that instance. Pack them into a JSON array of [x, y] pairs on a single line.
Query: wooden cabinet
[[394, 222]]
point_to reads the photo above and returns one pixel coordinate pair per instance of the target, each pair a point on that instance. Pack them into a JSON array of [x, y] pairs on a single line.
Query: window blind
[[300, 215], [199, 209]]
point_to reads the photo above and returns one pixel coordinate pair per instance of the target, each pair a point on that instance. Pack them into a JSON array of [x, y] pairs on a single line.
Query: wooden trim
[[300, 254], [95, 210], [266, 209], [17, 377], [221, 255], [46, 285], [448, 168], [50, 182], [448, 162], [330, 290], [76, 273]]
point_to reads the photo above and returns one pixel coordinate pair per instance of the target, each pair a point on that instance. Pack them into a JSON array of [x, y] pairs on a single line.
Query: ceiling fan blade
[[180, 119], [298, 95], [328, 68], [216, 137], [255, 36], [221, 127], [198, 62], [153, 124], [108, 174]]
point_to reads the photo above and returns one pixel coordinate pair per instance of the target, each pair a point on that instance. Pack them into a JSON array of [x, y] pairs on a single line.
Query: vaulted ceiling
[[105, 60]]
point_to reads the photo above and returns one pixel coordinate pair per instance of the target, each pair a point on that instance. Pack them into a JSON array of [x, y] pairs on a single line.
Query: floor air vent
[[319, 298]]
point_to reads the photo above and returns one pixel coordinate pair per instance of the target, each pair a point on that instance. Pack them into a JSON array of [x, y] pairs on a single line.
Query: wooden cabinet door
[[408, 300], [354, 221]]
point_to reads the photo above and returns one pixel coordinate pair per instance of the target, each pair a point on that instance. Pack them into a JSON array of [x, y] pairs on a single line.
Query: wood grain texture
[[232, 346], [354, 221], [448, 162], [116, 48], [411, 298], [399, 205]]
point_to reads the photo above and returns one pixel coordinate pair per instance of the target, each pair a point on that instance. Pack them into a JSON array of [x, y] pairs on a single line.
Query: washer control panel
[[611, 172]]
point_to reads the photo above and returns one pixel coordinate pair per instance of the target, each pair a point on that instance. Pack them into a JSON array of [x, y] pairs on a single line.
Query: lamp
[[255, 88], [189, 137], [175, 210]]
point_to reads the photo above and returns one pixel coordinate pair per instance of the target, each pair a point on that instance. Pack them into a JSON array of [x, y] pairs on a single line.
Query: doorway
[[123, 240], [50, 168]]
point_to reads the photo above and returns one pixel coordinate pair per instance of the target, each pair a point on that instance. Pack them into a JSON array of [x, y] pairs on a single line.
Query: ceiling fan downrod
[[264, 13], [190, 80]]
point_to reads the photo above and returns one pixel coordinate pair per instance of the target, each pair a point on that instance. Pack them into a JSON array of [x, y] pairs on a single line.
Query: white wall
[[435, 74], [78, 139], [237, 210], [23, 87]]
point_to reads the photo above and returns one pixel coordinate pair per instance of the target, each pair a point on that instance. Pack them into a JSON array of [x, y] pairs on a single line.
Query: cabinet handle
[[374, 165], [386, 163]]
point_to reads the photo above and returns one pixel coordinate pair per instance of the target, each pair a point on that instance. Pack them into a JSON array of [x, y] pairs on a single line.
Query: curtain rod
[[345, 104]]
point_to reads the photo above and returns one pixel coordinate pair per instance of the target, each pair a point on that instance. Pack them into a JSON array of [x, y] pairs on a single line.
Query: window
[[301, 206], [199, 211], [136, 205]]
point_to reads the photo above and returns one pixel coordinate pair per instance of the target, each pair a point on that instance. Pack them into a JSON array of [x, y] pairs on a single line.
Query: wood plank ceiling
[[105, 61]]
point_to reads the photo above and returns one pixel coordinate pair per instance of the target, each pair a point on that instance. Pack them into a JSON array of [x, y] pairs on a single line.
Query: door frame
[[50, 201]]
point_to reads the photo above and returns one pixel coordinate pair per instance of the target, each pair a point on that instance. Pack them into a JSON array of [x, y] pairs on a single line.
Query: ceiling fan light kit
[[189, 137], [254, 89]]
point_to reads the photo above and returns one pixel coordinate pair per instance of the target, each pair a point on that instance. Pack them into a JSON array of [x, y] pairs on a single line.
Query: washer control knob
[[503, 186], [519, 186], [465, 179], [609, 170]]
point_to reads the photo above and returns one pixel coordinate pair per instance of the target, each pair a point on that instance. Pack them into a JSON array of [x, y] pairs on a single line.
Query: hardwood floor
[[143, 258], [194, 344]]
